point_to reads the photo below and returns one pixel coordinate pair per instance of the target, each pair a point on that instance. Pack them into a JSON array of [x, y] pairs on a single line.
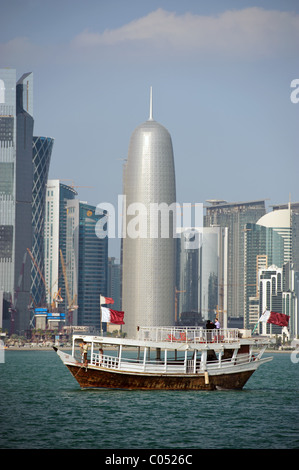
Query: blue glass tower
[[87, 263], [42, 150]]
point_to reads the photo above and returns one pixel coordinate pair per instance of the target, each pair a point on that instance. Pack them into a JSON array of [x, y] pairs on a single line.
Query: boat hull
[[100, 378]]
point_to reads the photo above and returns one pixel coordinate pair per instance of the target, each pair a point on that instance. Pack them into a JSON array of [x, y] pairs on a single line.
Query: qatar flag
[[112, 316], [106, 300], [275, 318]]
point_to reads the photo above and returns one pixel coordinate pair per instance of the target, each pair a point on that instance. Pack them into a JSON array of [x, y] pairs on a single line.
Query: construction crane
[[40, 273], [74, 186], [57, 297], [71, 302]]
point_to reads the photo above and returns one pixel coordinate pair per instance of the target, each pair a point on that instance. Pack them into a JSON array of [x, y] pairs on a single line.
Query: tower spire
[[151, 105]]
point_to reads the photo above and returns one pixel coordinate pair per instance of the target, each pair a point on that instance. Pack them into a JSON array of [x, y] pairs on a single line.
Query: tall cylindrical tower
[[148, 257]]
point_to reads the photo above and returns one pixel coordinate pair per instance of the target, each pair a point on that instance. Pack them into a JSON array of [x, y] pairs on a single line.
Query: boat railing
[[188, 335], [136, 365], [170, 366], [103, 360]]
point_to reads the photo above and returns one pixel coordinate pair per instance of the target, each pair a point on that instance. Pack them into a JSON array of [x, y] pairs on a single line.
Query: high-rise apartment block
[[57, 196]]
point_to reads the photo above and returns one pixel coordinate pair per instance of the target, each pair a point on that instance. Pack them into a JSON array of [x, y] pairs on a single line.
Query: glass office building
[[234, 216], [202, 280], [263, 247], [86, 264], [16, 178], [42, 150]]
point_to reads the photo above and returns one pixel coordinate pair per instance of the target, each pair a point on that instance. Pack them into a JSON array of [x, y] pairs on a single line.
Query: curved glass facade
[[42, 150]]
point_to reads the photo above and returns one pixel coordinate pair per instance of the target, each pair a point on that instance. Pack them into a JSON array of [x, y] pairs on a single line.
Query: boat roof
[[178, 339]]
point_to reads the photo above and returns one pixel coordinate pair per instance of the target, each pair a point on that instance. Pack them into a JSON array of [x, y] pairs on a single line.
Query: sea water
[[43, 407]]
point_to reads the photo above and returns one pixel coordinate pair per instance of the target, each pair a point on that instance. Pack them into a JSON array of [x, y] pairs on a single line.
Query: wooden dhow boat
[[166, 359]]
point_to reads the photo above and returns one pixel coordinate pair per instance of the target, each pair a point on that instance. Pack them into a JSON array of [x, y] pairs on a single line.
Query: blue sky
[[221, 74]]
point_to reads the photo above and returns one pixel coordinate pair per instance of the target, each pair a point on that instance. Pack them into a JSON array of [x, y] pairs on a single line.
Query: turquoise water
[[42, 407]]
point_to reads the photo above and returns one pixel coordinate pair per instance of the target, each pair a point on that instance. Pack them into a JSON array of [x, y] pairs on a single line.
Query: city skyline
[[224, 96]]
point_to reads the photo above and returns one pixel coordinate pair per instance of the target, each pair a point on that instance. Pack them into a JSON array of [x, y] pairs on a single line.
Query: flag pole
[[258, 322], [254, 328], [101, 329]]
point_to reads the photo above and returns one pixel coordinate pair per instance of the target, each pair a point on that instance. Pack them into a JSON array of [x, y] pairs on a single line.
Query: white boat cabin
[[170, 350]]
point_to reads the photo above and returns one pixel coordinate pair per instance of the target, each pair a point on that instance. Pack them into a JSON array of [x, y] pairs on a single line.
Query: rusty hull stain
[[96, 378]]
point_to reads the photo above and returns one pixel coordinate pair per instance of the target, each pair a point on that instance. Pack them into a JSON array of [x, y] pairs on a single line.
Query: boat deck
[[197, 335], [183, 366]]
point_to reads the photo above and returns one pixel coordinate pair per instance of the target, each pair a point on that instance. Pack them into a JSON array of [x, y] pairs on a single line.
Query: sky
[[221, 73]]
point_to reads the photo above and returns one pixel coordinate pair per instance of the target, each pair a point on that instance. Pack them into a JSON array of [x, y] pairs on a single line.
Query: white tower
[[149, 256]]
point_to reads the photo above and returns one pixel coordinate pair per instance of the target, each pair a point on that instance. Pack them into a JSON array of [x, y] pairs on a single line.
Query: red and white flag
[[275, 318], [112, 316], [106, 300]]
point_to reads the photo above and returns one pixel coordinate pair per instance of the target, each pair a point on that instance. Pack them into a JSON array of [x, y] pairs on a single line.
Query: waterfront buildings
[[57, 195], [280, 222], [294, 224], [202, 283], [148, 257], [16, 179], [86, 264], [114, 282], [214, 274], [263, 247], [270, 274], [234, 216], [42, 150]]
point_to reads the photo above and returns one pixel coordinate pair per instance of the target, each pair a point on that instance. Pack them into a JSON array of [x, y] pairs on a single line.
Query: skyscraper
[[203, 275], [16, 178], [42, 150], [148, 256], [263, 247], [86, 263], [280, 222], [57, 195], [234, 216]]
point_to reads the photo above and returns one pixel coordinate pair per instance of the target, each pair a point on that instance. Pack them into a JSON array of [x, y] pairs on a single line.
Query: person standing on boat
[[209, 326], [217, 326], [101, 354], [84, 349]]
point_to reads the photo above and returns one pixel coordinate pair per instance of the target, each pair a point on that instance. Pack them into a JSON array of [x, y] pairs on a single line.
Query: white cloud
[[252, 31]]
